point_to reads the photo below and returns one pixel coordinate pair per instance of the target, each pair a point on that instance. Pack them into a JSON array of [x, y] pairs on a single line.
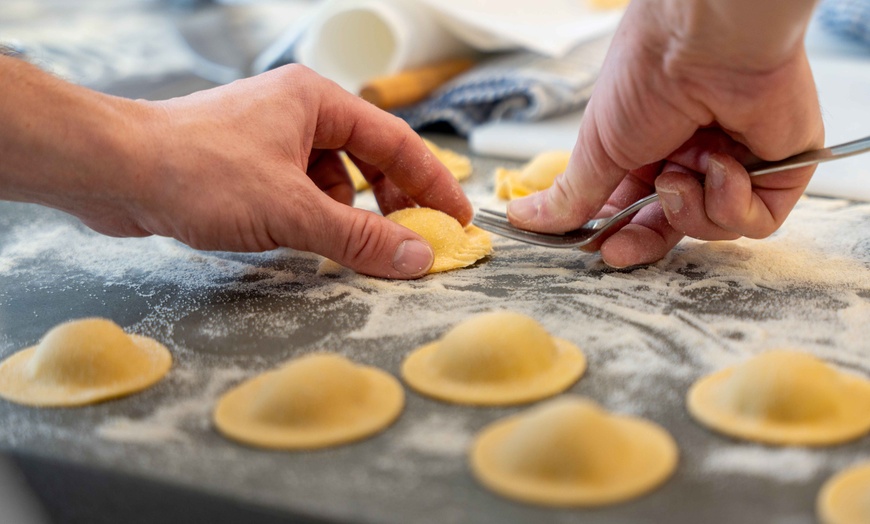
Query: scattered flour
[[166, 422], [648, 332], [792, 465], [437, 435]]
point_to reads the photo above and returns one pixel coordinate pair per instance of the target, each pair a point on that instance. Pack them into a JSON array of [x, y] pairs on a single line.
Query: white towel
[[389, 30]]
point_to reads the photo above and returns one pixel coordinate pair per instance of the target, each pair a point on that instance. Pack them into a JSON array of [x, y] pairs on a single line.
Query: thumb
[[577, 194], [368, 243]]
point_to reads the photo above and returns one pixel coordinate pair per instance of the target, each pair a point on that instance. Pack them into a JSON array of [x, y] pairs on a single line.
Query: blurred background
[[511, 76]]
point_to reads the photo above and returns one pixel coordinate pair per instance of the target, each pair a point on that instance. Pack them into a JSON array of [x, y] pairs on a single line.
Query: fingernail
[[671, 199], [525, 209], [715, 174], [413, 258]]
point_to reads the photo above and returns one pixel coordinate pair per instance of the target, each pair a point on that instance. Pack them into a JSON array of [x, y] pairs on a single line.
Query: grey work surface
[[648, 333], [227, 317]]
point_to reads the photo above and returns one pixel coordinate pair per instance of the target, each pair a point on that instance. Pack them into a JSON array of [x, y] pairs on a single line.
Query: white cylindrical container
[[353, 41]]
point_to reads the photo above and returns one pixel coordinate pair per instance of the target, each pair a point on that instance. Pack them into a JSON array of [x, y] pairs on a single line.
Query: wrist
[[62, 145], [753, 36]]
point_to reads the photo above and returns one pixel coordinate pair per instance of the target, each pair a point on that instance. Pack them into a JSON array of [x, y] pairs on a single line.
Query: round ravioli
[[315, 401], [537, 175], [783, 397], [845, 498], [569, 452], [83, 362], [453, 245], [499, 358]]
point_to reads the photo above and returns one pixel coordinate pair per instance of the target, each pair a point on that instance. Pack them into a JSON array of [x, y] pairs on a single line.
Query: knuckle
[[758, 231], [614, 149], [366, 238], [297, 221], [731, 221], [398, 150], [564, 195], [296, 72], [564, 205]]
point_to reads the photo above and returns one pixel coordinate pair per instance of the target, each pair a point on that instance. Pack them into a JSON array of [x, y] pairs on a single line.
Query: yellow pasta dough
[[499, 358], [783, 397], [569, 452], [356, 177], [608, 4], [538, 174], [845, 498], [83, 362], [458, 165], [311, 402], [453, 245]]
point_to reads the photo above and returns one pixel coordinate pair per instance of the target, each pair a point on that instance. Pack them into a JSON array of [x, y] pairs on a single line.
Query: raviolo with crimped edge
[[454, 246]]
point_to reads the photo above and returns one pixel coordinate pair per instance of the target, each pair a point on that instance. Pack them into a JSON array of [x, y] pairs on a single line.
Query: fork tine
[[498, 214], [503, 228], [497, 227]]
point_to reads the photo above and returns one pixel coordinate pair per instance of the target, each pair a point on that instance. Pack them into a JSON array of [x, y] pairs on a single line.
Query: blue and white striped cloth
[[849, 18], [520, 86]]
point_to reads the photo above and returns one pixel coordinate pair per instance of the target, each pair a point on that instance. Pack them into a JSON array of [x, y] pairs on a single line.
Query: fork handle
[[808, 158]]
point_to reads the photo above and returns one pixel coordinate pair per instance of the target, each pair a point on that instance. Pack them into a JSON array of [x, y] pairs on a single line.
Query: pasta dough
[[845, 498], [458, 165], [453, 245], [356, 177], [569, 452], [315, 401], [83, 362], [538, 174], [608, 4], [783, 397], [498, 358]]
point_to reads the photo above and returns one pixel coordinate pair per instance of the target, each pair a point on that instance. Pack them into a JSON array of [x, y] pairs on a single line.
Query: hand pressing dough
[[454, 246], [569, 452], [845, 498], [311, 402], [537, 175], [83, 362], [458, 165], [493, 359], [783, 397]]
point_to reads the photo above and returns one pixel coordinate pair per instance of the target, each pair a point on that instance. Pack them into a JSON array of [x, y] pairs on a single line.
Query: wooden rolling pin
[[412, 85]]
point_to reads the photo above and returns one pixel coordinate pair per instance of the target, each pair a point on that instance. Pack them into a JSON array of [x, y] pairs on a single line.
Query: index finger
[[389, 144]]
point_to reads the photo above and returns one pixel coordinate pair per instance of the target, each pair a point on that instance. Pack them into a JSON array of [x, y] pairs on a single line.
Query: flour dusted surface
[[648, 333]]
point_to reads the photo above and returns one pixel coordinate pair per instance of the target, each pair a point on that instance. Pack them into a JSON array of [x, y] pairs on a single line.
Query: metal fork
[[497, 222]]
